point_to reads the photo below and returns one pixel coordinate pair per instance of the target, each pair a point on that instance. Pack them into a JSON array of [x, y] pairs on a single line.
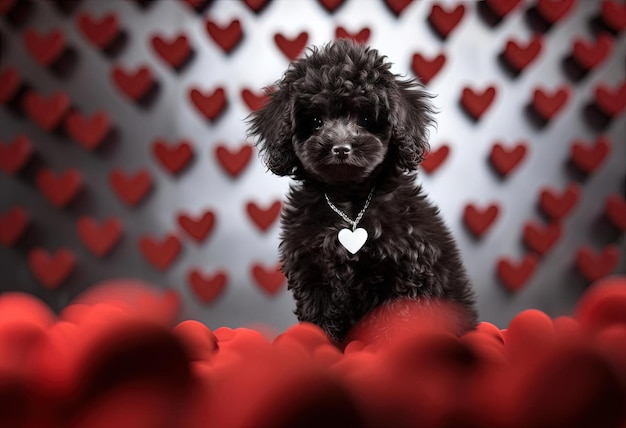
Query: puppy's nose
[[341, 150]]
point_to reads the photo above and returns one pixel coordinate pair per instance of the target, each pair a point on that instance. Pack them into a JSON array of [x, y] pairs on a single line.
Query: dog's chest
[[328, 239]]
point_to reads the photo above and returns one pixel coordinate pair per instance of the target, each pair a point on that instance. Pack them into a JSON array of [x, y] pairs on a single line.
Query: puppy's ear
[[273, 125], [410, 118]]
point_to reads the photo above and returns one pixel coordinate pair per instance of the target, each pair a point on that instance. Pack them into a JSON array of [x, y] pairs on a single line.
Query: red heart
[[6, 6], [44, 48], [514, 275], [162, 253], [444, 21], [88, 132], [10, 84], [226, 37], [51, 269], [99, 238], [541, 239], [173, 157], [269, 279], [207, 288], [234, 162], [546, 104], [256, 5], [254, 101], [100, 32], [331, 5], [59, 189], [520, 56], [263, 218], [398, 6], [46, 112], [130, 189], [476, 104], [211, 106], [361, 37], [505, 160], [479, 220], [426, 69], [552, 11], [502, 7], [12, 226], [556, 205], [434, 159], [291, 48], [609, 101], [614, 15], [588, 158], [173, 52], [615, 210], [134, 84], [198, 5], [198, 228], [14, 155], [590, 55], [594, 266]]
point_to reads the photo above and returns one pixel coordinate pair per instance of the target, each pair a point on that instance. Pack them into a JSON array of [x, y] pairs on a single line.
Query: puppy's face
[[338, 114], [342, 139]]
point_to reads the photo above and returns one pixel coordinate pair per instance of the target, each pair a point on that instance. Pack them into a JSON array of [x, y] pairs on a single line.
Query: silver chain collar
[[343, 215]]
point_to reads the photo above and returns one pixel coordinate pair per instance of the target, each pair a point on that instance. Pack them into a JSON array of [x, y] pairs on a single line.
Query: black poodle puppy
[[357, 231]]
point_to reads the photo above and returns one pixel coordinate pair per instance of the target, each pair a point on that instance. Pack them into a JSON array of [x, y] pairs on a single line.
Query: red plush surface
[[117, 357]]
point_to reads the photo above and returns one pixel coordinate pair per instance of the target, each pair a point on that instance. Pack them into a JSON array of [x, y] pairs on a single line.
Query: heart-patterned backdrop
[[123, 143]]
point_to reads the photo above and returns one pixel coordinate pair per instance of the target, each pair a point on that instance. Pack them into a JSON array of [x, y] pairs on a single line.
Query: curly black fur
[[339, 122]]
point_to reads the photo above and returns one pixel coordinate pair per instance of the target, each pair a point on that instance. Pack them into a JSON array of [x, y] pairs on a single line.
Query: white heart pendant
[[352, 241]]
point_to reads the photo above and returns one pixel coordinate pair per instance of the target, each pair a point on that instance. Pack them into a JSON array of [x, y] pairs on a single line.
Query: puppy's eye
[[365, 121], [316, 122]]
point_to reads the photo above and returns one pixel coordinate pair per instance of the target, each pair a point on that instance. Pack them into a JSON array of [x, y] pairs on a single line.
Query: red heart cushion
[[134, 83], [521, 55], [291, 48], [89, 132], [477, 103], [44, 48], [160, 253], [253, 101], [595, 265], [59, 189], [263, 218], [12, 226], [434, 159], [270, 280], [207, 288], [425, 68], [21, 308], [480, 220], [233, 161], [174, 157], [227, 37], [99, 238], [51, 269], [197, 227], [131, 189], [199, 341], [603, 305], [10, 84], [211, 106], [101, 32], [46, 112], [513, 274], [174, 52], [443, 20], [362, 36]]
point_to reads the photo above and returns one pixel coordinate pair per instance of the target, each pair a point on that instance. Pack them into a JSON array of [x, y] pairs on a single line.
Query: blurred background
[[123, 149]]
